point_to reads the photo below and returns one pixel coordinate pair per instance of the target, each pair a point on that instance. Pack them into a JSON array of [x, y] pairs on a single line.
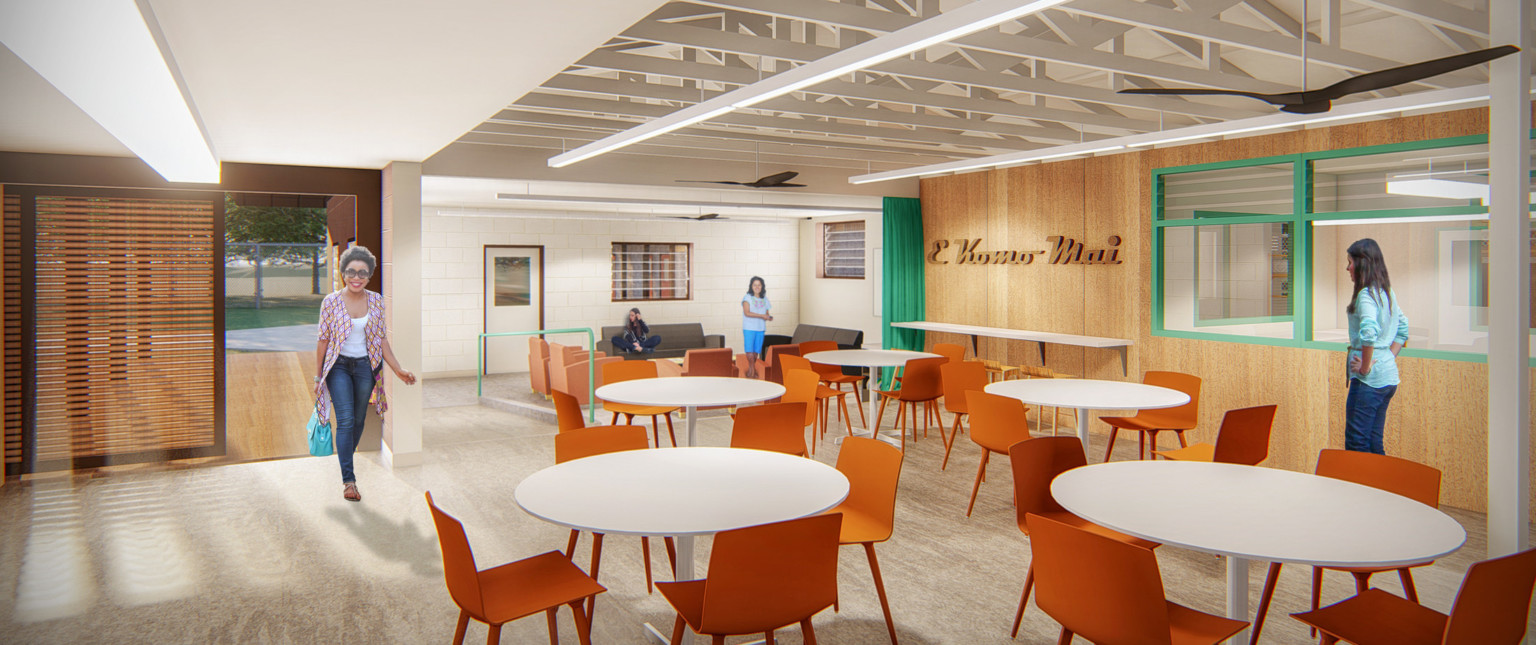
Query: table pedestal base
[[890, 437], [1082, 431], [1237, 595]]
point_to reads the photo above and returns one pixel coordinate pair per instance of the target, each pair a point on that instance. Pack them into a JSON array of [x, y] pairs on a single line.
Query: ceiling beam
[[1434, 12]]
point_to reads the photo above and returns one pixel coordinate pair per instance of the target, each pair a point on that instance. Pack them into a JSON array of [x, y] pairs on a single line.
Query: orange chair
[[920, 384], [628, 371], [761, 579], [779, 427], [1108, 591], [1151, 422], [601, 440], [571, 378], [567, 411], [513, 590], [538, 365], [959, 377], [997, 422], [1491, 608], [832, 375], [1242, 439], [951, 351], [824, 394], [801, 386], [1036, 463], [869, 513], [709, 362]]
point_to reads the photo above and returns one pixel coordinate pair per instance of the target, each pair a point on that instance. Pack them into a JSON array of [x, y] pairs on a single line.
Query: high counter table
[[1041, 337], [690, 392]]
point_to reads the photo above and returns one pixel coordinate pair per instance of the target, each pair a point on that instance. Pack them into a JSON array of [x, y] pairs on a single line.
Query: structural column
[[1509, 297], [401, 258]]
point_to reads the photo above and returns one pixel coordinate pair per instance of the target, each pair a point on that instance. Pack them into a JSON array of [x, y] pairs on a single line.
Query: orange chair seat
[[1196, 452], [841, 378], [638, 410], [1378, 617], [508, 596], [1199, 628], [687, 597], [1073, 520], [1144, 421], [859, 526]]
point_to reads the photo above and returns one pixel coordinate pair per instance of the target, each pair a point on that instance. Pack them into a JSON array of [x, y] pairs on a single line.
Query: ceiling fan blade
[[1409, 73], [778, 177], [785, 186], [703, 181]]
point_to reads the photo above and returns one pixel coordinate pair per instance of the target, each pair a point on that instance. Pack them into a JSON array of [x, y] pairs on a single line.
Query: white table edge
[[591, 529]]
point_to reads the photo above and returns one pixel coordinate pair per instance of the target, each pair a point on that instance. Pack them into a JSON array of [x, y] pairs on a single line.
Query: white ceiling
[[347, 83], [478, 194]]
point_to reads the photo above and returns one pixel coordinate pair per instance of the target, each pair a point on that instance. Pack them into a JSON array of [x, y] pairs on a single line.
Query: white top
[[690, 391], [1089, 394], [867, 357], [356, 344], [1017, 334], [680, 491], [1258, 513]]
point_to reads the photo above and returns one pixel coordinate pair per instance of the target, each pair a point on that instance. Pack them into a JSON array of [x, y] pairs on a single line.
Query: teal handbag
[[320, 444]]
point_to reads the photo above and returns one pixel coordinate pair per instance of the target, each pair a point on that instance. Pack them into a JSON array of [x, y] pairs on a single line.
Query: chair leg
[[1264, 598], [677, 630], [554, 631], [880, 416], [494, 636], [1317, 593], [671, 554], [570, 545], [1018, 617], [670, 432], [842, 402], [1108, 447], [1329, 639], [597, 553], [615, 420], [768, 638], [1065, 638], [1180, 435], [1141, 445], [859, 403], [981, 470], [583, 623], [949, 443], [1151, 444], [885, 605], [1408, 589], [458, 632], [717, 639], [810, 634], [645, 554], [1362, 581]]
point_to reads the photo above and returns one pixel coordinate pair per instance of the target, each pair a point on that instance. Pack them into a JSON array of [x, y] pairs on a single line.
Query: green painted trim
[[1227, 165], [1200, 214], [1226, 338], [1426, 211], [1301, 252], [1231, 220], [1252, 320], [591, 365], [1389, 148]]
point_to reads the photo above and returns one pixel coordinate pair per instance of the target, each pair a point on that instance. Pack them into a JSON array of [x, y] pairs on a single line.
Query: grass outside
[[251, 318]]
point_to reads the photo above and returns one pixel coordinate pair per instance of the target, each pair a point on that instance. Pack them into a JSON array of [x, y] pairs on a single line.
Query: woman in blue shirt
[[1378, 330], [754, 321]]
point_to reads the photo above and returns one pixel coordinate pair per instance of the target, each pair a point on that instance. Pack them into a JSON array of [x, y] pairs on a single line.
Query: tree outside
[[274, 265]]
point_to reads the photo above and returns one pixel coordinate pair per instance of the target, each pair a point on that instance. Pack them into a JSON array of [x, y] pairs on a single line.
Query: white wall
[[577, 275], [851, 304]]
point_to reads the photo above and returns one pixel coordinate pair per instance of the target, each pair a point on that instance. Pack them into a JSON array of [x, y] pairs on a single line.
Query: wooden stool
[[997, 371]]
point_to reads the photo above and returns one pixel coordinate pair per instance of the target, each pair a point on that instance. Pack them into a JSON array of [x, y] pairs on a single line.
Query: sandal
[[350, 493]]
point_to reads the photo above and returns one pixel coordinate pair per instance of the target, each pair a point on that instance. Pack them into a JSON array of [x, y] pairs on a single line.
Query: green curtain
[[902, 293]]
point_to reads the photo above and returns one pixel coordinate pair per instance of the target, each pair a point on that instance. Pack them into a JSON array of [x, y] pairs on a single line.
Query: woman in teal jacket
[[1378, 330]]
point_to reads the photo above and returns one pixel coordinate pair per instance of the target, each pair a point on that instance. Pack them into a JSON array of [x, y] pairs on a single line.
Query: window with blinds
[[651, 271], [842, 250]]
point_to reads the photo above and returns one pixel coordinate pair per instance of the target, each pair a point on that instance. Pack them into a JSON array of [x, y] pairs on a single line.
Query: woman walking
[[637, 335], [754, 321], [1378, 330], [353, 344]]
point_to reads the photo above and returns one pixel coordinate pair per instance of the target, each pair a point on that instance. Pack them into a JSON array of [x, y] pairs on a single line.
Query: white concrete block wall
[[577, 279]]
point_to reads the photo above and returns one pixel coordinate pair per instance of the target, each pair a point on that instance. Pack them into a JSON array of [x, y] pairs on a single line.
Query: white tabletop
[[680, 491], [1087, 394], [867, 357], [696, 391], [1258, 513], [1017, 334]]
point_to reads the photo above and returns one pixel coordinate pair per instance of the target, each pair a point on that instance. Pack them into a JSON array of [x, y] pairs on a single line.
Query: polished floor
[[269, 552]]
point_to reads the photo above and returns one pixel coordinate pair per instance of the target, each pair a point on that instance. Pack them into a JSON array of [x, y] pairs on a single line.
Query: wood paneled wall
[[1439, 416]]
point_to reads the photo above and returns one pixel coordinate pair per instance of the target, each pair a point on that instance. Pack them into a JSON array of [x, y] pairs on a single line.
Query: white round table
[[874, 359], [691, 392], [1251, 513], [1088, 394], [683, 492]]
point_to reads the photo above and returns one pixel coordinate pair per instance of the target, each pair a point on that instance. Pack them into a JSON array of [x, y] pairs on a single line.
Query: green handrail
[[591, 369]]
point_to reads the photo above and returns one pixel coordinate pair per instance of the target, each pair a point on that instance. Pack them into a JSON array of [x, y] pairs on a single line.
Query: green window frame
[[1300, 218]]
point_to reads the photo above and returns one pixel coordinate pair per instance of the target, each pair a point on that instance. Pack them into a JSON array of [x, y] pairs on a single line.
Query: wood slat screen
[[10, 283], [127, 327]]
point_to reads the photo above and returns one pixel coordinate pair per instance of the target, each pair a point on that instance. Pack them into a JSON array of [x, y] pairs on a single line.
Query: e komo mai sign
[[1064, 250]]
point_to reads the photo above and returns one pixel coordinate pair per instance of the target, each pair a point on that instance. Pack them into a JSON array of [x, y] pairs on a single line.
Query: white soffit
[[586, 198]]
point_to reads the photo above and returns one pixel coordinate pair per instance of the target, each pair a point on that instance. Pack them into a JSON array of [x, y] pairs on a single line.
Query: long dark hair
[[764, 294], [628, 324], [1370, 270]]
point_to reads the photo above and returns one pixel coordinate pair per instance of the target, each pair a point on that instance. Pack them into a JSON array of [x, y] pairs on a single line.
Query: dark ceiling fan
[[1314, 101], [771, 181], [701, 218]]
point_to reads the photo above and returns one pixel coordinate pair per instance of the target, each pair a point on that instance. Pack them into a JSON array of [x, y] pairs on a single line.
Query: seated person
[[636, 336]]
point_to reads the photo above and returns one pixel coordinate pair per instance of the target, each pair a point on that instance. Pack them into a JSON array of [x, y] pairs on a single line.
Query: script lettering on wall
[[1064, 250]]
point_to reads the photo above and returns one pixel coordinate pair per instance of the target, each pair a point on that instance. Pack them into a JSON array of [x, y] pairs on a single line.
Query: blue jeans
[[1365, 416], [649, 343], [350, 381]]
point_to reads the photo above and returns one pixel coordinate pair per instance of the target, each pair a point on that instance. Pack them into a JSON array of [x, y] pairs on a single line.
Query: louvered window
[[842, 250], [652, 271]]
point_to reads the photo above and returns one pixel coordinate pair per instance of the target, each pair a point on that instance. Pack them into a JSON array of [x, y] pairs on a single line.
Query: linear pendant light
[[104, 56], [939, 29]]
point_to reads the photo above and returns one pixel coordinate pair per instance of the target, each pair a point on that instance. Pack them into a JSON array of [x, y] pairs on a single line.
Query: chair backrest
[[779, 427], [628, 371], [1410, 479], [795, 362], [764, 577], [997, 422], [960, 377], [717, 361], [800, 387], [1494, 602], [775, 371], [567, 411], [538, 364], [1104, 590], [459, 570], [573, 379], [1036, 463], [920, 380], [951, 351], [599, 440], [1244, 435], [1182, 417], [812, 346], [873, 468]]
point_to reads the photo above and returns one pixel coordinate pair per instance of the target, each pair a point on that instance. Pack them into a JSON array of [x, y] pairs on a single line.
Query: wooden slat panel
[[10, 284]]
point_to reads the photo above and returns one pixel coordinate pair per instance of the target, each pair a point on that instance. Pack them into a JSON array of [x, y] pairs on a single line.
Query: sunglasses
[[350, 273]]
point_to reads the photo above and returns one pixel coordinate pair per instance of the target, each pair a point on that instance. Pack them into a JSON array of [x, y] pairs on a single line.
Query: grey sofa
[[676, 340], [845, 338]]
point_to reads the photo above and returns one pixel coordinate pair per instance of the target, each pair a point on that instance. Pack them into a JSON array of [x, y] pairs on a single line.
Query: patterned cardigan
[[335, 326]]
